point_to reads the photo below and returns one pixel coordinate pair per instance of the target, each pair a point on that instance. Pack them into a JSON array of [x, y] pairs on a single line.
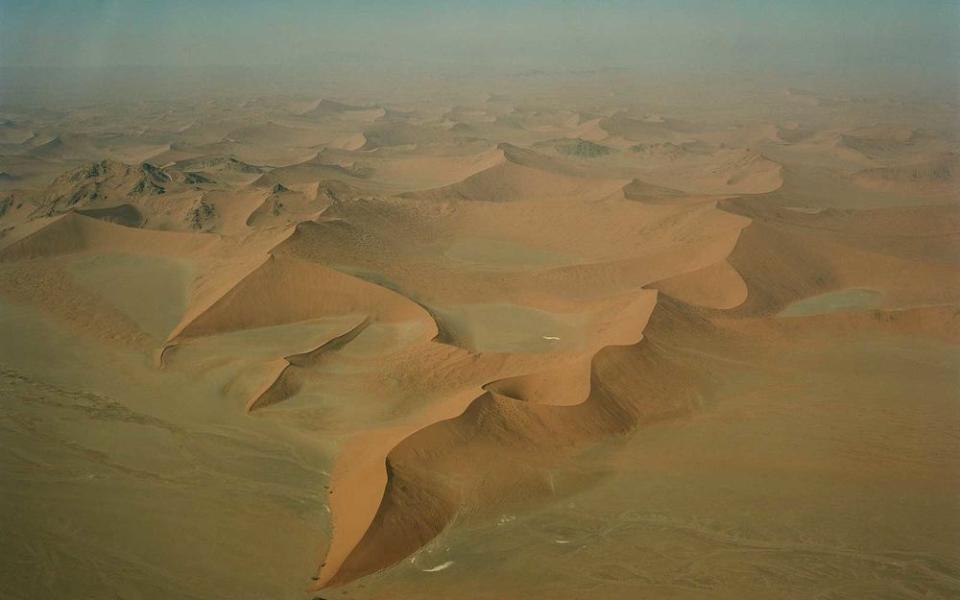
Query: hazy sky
[[832, 35]]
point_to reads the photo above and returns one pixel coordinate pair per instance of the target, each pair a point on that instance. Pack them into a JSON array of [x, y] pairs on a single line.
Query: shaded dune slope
[[76, 232], [472, 460], [788, 255], [287, 290], [782, 256], [522, 176], [534, 414]]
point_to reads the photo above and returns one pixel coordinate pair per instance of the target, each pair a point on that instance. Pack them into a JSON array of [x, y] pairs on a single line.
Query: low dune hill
[[326, 108], [510, 181]]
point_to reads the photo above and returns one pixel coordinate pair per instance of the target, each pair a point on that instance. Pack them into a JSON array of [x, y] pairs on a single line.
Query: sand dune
[[418, 341], [73, 232], [290, 206], [74, 147], [496, 424], [326, 108], [285, 386], [285, 291], [716, 286], [514, 179], [641, 190]]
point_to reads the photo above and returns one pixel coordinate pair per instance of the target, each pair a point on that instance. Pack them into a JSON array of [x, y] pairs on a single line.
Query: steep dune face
[[717, 286], [890, 250], [641, 190], [121, 214], [75, 232], [285, 290], [88, 273], [627, 386], [566, 384], [74, 307], [68, 233], [284, 207], [750, 173]]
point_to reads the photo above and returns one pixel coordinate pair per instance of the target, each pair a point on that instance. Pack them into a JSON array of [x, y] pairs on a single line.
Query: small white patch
[[551, 338], [561, 541], [504, 519], [439, 567]]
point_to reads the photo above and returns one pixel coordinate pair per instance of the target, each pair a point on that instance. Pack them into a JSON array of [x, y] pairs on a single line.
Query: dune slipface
[[424, 339]]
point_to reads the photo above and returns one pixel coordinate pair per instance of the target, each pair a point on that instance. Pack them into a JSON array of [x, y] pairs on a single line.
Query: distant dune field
[[489, 343]]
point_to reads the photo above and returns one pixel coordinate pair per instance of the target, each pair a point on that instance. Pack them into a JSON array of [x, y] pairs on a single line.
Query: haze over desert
[[579, 300]]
